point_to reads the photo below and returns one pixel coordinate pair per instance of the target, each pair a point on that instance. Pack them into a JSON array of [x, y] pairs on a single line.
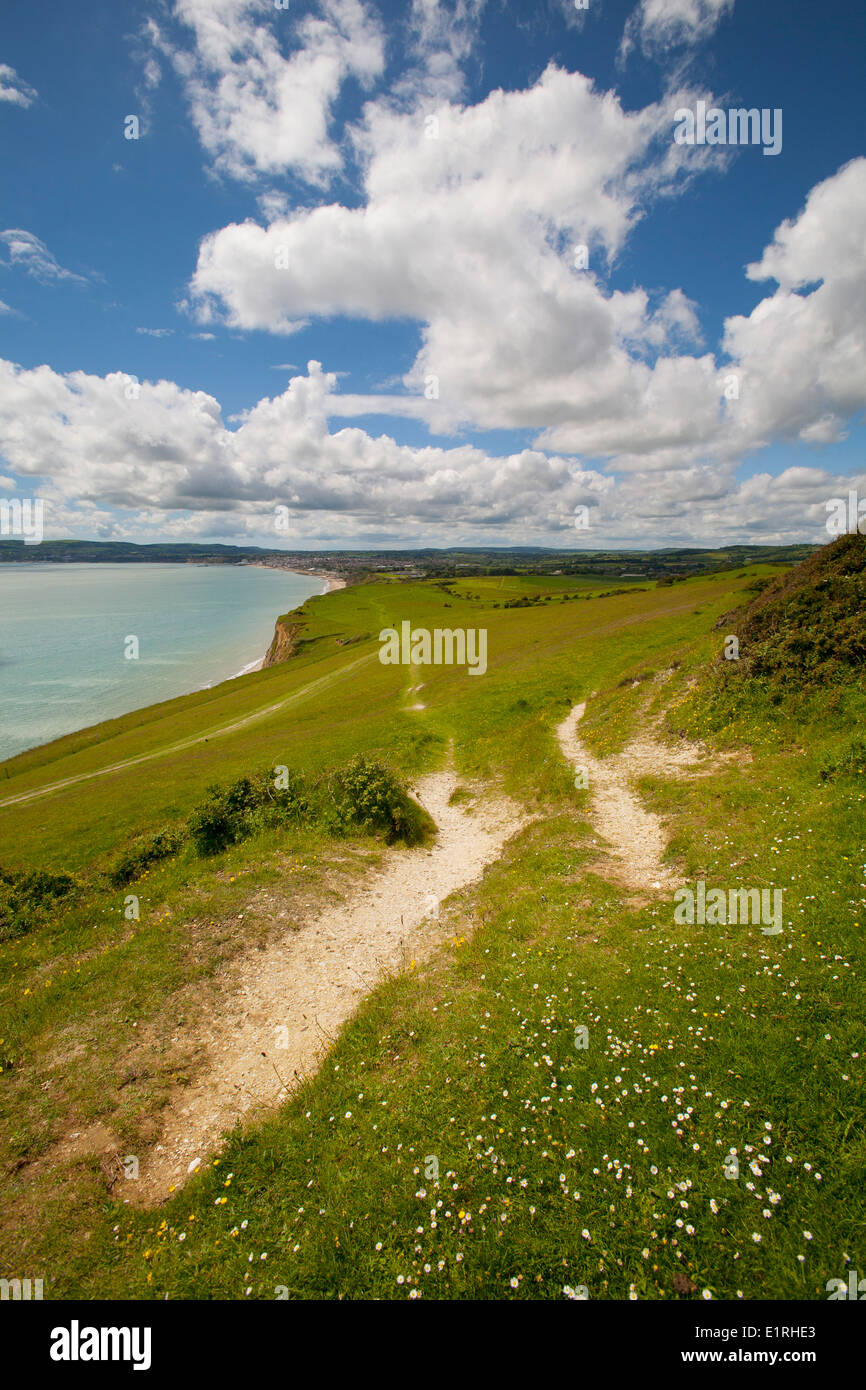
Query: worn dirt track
[[218, 731], [284, 1005], [636, 837]]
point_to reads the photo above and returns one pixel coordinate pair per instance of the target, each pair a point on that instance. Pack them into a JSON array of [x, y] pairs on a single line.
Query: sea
[[65, 637]]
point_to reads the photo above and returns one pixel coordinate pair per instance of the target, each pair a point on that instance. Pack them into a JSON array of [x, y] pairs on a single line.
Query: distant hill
[[92, 552], [454, 563]]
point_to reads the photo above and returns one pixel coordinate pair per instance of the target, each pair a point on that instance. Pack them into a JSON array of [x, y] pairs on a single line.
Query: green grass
[[470, 1060], [320, 708]]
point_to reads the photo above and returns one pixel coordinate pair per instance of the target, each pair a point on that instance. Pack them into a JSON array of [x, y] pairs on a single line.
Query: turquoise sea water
[[63, 631]]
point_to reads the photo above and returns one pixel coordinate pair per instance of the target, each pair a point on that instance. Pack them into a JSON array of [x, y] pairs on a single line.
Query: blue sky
[[308, 129]]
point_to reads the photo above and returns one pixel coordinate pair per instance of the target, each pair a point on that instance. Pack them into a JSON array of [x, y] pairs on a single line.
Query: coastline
[[202, 666], [332, 581], [331, 578]]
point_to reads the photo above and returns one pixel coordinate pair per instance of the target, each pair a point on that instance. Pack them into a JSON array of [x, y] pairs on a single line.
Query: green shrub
[[232, 813], [144, 851], [852, 763], [218, 822], [27, 897], [276, 804], [365, 793]]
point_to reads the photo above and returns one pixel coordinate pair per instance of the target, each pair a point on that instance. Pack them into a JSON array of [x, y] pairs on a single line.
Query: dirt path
[[312, 688], [303, 693], [636, 836], [285, 1005]]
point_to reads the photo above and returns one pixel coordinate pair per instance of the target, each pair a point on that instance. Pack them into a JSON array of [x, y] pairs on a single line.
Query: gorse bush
[[807, 628], [364, 796], [233, 813], [284, 798], [216, 824], [27, 898], [144, 851], [802, 653], [367, 794]]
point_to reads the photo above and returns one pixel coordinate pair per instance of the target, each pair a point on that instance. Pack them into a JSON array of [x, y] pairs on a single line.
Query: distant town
[[354, 565]]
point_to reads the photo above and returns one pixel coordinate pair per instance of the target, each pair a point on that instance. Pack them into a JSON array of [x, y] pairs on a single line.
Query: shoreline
[[332, 582], [331, 578], [327, 581]]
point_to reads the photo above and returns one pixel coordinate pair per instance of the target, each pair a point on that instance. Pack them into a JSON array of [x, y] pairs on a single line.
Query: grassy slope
[[472, 1060]]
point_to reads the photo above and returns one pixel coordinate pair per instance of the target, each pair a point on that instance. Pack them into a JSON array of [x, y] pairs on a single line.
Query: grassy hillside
[[557, 1166], [807, 629]]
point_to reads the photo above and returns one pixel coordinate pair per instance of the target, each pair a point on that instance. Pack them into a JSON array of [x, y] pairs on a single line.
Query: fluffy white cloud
[[256, 110], [28, 253], [460, 201], [469, 226], [115, 461], [158, 447], [472, 222], [802, 351], [797, 368], [13, 89], [661, 24]]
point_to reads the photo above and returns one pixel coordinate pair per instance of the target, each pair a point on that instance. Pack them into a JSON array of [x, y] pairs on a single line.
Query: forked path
[[636, 837], [285, 1005]]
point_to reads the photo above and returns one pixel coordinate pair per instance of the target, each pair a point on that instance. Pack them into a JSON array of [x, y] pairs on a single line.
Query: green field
[[558, 1167]]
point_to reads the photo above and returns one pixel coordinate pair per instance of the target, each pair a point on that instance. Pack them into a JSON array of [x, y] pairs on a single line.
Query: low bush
[[27, 897], [223, 817], [144, 851], [367, 794], [852, 763]]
